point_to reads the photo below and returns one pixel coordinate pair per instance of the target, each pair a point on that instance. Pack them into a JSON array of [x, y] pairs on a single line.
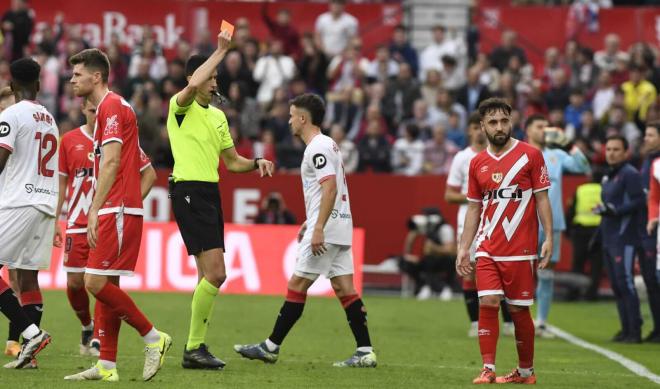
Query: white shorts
[[26, 238], [336, 261]]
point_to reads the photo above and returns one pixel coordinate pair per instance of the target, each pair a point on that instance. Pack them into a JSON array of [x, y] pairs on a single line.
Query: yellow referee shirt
[[197, 136]]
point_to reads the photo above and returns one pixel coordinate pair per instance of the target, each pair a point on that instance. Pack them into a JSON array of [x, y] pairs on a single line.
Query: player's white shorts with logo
[[337, 260], [26, 238]]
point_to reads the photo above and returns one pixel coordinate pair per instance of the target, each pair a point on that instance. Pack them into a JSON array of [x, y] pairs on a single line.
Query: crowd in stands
[[401, 110]]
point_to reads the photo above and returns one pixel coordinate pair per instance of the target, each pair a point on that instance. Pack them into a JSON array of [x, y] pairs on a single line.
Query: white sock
[[474, 323], [271, 346], [489, 366], [365, 349], [30, 332], [152, 336], [526, 372], [108, 364], [89, 327]]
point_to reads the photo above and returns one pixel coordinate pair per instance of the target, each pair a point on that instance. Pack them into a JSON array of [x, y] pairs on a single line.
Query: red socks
[[489, 331], [522, 320], [123, 306], [346, 301], [80, 303], [106, 327]]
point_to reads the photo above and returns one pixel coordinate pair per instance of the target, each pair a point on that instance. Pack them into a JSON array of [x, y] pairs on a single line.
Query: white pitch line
[[629, 364]]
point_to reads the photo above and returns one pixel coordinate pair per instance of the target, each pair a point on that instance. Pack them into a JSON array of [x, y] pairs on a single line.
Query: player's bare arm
[[4, 156], [236, 163], [204, 72], [328, 197], [107, 175], [57, 239], [301, 231], [545, 214], [453, 195], [147, 180], [472, 218]]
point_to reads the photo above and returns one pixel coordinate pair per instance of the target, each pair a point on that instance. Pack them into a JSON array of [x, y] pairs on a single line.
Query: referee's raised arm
[[203, 73]]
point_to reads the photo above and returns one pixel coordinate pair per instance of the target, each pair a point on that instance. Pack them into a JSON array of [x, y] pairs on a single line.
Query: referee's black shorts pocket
[[198, 214]]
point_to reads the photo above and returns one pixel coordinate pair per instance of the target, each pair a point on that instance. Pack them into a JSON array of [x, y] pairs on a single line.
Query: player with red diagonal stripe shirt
[[76, 165], [507, 187]]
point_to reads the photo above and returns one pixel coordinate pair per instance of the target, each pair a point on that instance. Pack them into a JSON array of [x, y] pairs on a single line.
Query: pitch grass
[[419, 345]]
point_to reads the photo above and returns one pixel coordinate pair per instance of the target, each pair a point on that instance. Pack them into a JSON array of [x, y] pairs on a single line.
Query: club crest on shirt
[[497, 177], [90, 156]]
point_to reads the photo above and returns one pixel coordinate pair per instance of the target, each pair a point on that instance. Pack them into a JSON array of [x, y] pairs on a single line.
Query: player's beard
[[499, 139]]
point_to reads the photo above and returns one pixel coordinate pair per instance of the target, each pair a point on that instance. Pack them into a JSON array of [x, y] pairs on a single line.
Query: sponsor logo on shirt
[[30, 188], [319, 161], [5, 129], [336, 214], [503, 193]]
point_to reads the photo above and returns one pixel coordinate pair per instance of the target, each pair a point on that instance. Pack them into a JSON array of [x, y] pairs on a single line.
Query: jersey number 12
[[48, 143]]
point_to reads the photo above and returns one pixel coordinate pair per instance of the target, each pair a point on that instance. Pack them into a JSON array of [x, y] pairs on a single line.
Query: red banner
[[541, 27], [173, 20], [258, 259]]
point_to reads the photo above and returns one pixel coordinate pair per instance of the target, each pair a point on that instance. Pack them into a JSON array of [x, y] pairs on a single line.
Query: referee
[[199, 136]]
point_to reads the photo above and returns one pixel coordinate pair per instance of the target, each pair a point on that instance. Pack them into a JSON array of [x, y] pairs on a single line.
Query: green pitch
[[419, 345]]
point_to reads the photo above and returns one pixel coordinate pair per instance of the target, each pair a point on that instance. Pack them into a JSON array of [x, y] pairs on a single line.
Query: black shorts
[[198, 213]]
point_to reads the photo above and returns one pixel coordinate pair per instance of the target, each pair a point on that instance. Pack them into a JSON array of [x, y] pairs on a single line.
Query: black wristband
[[256, 163]]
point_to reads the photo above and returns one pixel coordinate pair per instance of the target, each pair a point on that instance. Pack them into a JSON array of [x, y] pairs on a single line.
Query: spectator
[[290, 155], [431, 86], [233, 69], [557, 97], [501, 55], [438, 153], [273, 71], [585, 74], [454, 132], [620, 72], [639, 94], [400, 94], [277, 120], [408, 153], [274, 211], [488, 75], [155, 61], [382, 68], [17, 25], [604, 95], [402, 51], [335, 28], [204, 45], [313, 65], [551, 64], [444, 106], [243, 145], [243, 110], [175, 79], [573, 113], [606, 59], [430, 59], [422, 118], [474, 92], [139, 79], [453, 77], [374, 149], [118, 68], [618, 123], [349, 152], [282, 30], [265, 146]]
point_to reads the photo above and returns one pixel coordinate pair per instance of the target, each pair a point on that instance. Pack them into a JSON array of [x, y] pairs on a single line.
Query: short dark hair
[[652, 124], [475, 118], [25, 71], [313, 104], [532, 118], [94, 59], [194, 62], [618, 137], [439, 27], [494, 104]]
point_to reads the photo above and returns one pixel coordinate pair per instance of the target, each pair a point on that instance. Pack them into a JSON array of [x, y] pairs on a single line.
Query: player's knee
[[94, 285], [517, 308], [216, 278], [492, 300], [27, 280], [75, 283]]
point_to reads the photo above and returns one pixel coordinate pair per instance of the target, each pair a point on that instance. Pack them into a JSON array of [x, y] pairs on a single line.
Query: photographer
[[273, 211], [434, 270]]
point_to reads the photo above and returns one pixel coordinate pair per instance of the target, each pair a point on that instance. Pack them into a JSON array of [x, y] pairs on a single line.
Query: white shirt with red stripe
[[77, 164], [322, 160], [116, 122], [458, 180], [29, 132], [505, 187]]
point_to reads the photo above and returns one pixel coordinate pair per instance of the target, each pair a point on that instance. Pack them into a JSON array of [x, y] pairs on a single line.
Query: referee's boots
[[201, 358]]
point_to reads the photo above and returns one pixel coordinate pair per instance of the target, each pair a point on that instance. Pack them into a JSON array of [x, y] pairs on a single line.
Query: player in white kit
[[455, 192], [28, 197], [325, 239]]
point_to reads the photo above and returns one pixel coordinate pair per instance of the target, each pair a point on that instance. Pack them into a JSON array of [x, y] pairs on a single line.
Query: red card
[[227, 26]]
